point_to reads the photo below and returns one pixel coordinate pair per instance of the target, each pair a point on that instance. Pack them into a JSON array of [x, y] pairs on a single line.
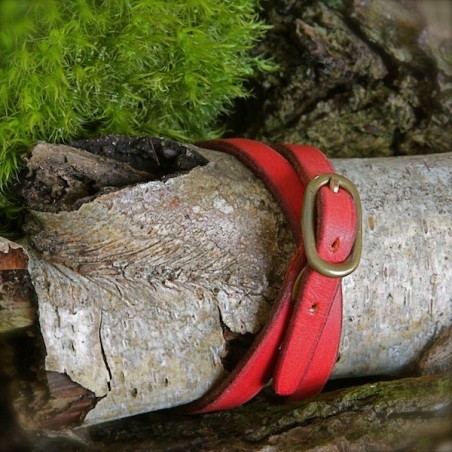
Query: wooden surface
[[355, 78], [410, 414]]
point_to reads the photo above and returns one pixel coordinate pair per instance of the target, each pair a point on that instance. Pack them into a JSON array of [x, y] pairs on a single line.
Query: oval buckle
[[308, 227]]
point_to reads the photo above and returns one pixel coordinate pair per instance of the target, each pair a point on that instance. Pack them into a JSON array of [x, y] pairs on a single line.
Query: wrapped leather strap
[[309, 348], [298, 345]]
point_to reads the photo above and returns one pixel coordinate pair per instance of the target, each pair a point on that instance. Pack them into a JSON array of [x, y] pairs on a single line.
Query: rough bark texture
[[144, 277], [141, 289], [437, 357], [407, 414], [399, 299], [16, 292], [356, 78], [12, 256]]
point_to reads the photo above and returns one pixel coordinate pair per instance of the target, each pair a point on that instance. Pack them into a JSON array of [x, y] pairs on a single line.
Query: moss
[[375, 401], [79, 68], [406, 414]]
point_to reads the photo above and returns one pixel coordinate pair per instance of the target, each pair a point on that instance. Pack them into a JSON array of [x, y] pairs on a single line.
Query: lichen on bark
[[406, 414], [357, 79]]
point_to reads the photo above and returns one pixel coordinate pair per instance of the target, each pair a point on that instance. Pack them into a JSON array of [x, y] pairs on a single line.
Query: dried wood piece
[[16, 300], [16, 307], [165, 270], [437, 357], [62, 178], [144, 291], [407, 414], [138, 287], [159, 157], [68, 402], [12, 256]]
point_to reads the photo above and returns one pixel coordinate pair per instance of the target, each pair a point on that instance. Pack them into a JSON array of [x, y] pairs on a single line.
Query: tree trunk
[[147, 293], [355, 78], [406, 414]]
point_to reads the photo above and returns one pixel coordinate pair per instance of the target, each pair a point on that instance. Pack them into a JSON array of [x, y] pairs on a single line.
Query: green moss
[[78, 68]]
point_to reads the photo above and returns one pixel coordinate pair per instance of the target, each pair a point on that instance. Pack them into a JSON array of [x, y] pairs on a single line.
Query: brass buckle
[[308, 227]]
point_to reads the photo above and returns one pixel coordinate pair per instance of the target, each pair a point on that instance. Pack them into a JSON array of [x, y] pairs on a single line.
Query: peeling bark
[[12, 256], [436, 359], [16, 300], [16, 291], [180, 263]]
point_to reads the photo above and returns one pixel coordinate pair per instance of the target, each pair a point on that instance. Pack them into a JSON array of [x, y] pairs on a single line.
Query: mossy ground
[[404, 414]]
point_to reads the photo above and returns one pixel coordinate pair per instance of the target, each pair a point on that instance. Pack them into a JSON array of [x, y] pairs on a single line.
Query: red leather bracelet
[[298, 346]]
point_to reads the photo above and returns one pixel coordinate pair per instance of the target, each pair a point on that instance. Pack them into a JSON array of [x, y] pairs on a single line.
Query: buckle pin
[[323, 267]]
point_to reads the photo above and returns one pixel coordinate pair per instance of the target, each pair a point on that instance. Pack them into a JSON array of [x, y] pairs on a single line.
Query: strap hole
[[335, 245], [314, 308]]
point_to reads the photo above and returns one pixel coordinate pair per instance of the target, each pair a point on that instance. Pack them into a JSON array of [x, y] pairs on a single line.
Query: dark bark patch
[[63, 178]]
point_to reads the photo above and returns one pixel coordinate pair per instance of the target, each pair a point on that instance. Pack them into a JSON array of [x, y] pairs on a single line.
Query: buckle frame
[[323, 267]]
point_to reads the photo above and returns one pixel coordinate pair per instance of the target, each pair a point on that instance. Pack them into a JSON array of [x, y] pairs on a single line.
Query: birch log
[[140, 289]]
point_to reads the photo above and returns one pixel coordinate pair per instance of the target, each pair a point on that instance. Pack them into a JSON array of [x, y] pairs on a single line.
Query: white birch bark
[[134, 286]]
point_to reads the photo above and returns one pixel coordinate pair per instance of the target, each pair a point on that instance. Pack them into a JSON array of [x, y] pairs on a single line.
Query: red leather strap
[[298, 345], [309, 349]]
